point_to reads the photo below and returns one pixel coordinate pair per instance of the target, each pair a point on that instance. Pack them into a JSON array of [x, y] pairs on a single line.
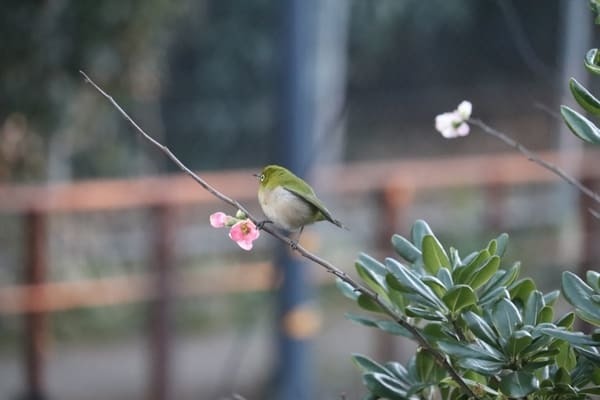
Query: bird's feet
[[262, 223]]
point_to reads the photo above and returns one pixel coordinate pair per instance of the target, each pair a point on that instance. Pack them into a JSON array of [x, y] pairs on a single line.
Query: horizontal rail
[[61, 296], [363, 177]]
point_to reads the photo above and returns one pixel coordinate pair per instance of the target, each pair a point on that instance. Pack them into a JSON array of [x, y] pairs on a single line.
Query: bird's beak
[[256, 175]]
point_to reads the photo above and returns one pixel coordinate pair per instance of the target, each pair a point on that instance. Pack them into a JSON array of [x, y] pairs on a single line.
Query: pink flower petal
[[244, 233], [218, 219], [245, 245]]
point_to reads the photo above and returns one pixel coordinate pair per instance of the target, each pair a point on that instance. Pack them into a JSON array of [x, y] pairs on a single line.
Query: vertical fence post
[[35, 321], [392, 202], [160, 308]]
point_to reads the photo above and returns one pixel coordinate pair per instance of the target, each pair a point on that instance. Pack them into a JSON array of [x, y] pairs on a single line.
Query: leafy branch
[[386, 308]]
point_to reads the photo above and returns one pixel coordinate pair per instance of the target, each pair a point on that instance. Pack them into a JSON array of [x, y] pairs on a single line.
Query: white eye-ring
[[262, 177]]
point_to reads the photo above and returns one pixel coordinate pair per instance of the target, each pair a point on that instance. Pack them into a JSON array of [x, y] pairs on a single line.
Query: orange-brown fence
[[395, 183]]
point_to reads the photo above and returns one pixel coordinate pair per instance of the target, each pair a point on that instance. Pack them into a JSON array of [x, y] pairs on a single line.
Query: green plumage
[[289, 201]]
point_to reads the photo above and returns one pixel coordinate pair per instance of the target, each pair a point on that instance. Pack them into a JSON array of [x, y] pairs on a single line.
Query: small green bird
[[288, 201]]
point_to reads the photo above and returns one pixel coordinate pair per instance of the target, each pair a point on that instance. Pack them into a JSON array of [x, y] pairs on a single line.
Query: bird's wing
[[314, 200]]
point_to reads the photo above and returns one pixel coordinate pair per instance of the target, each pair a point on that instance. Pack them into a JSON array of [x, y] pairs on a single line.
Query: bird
[[289, 202]]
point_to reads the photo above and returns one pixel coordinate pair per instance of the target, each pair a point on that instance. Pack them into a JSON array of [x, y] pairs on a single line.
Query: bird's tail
[[339, 224]]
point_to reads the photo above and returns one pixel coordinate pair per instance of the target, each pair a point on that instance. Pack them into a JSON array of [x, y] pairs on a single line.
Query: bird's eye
[[262, 177]]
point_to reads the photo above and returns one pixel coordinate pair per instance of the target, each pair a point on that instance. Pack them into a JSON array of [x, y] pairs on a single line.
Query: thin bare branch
[[329, 267], [534, 158]]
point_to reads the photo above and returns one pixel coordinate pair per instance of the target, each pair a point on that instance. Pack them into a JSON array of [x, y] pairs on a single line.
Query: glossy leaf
[[367, 303], [418, 231], [384, 385], [566, 321], [551, 297], [410, 280], [501, 278], [428, 370], [373, 273], [522, 289], [483, 274], [593, 279], [480, 328], [501, 244], [368, 365], [506, 318], [346, 289], [575, 338], [445, 277], [580, 125], [584, 98], [518, 341], [534, 305], [462, 274], [591, 61], [518, 384], [435, 284], [579, 294], [405, 249], [464, 351], [546, 314], [394, 328], [459, 297], [434, 256]]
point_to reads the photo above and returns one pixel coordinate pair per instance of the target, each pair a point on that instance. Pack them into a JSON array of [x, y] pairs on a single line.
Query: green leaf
[[435, 284], [406, 249], [346, 289], [368, 365], [506, 317], [591, 61], [427, 368], [464, 351], [551, 297], [368, 303], [518, 384], [459, 297], [593, 279], [522, 289], [373, 273], [492, 246], [480, 366], [480, 328], [493, 296], [532, 308], [585, 99], [434, 255], [502, 242], [361, 319], [575, 338], [484, 273], [418, 231], [393, 328], [384, 385], [517, 342], [445, 277], [463, 274], [546, 314], [500, 279], [580, 125], [566, 321], [579, 295], [402, 278]]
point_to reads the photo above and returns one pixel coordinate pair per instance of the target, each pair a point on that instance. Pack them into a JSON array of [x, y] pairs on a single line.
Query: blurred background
[[113, 284]]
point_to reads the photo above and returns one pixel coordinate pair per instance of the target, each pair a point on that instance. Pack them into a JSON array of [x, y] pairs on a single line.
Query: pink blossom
[[218, 219], [244, 233]]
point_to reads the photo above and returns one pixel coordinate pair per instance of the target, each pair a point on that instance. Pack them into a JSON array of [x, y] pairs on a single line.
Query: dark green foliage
[[497, 331]]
